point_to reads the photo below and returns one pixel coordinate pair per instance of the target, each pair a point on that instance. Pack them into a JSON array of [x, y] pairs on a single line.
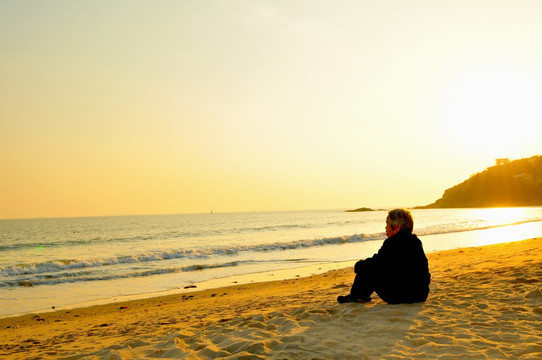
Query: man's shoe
[[349, 298], [346, 299]]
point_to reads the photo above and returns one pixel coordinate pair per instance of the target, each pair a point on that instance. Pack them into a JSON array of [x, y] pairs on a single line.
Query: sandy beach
[[485, 303]]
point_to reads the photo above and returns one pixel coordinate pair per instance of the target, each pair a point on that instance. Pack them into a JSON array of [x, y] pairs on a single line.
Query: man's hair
[[401, 217]]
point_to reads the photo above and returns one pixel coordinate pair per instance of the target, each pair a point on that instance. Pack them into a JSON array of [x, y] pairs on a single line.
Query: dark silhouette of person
[[399, 272]]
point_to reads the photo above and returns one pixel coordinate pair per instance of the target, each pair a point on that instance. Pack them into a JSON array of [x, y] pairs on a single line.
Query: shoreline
[[206, 285], [474, 292], [20, 300], [432, 243]]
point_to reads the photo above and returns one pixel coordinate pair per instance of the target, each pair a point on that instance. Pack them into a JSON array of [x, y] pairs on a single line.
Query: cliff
[[516, 183]]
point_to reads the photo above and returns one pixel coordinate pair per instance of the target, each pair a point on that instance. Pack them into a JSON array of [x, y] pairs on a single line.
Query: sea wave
[[66, 277], [187, 234], [95, 240], [453, 228], [73, 264], [64, 265], [40, 279]]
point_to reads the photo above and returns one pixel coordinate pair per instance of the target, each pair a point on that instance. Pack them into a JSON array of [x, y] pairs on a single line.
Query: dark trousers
[[364, 282], [367, 281], [362, 288]]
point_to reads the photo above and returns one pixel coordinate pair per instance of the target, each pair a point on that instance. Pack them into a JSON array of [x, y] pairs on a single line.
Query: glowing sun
[[493, 109]]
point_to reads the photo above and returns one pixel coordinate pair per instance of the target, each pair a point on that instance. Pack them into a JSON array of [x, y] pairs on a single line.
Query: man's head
[[398, 219]]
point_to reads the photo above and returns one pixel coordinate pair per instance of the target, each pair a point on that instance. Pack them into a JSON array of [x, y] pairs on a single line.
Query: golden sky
[[139, 107]]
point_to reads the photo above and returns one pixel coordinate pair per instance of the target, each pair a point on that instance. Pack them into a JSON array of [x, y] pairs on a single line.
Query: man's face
[[390, 231]]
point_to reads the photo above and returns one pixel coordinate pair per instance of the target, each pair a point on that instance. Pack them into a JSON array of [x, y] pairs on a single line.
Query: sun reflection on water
[[502, 215], [508, 233]]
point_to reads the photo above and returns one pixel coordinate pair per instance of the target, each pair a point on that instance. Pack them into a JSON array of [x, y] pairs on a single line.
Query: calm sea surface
[[67, 261]]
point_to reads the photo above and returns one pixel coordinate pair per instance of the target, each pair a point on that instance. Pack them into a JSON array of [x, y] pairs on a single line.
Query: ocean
[[62, 262]]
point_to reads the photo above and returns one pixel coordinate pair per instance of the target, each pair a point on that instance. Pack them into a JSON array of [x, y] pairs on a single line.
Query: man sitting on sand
[[399, 272]]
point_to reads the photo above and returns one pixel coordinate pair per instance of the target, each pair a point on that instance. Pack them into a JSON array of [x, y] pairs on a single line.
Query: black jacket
[[399, 271]]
